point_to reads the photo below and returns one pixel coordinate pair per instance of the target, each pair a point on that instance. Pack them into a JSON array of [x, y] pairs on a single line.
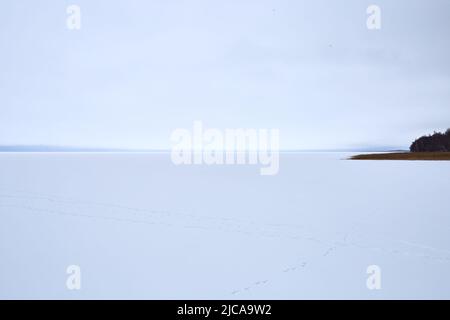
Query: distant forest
[[437, 142]]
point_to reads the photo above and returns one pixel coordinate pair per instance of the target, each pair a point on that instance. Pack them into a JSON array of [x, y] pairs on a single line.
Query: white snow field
[[140, 227]]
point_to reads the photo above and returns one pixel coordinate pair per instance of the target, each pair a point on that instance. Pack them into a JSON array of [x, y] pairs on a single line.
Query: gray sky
[[137, 70]]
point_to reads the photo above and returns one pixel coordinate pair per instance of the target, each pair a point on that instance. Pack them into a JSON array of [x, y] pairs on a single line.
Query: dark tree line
[[437, 142]]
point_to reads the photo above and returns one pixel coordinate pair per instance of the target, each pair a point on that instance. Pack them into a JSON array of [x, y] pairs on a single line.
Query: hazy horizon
[[60, 148]]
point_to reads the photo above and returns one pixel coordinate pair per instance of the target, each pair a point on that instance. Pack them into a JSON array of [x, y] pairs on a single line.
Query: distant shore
[[425, 156]]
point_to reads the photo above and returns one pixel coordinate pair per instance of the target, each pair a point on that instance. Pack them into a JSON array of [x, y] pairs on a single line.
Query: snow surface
[[140, 227]]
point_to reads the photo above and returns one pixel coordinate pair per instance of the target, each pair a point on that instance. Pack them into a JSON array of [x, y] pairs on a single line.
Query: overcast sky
[[137, 70]]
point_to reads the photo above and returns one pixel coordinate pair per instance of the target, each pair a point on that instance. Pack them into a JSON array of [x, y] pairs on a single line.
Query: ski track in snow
[[62, 206]]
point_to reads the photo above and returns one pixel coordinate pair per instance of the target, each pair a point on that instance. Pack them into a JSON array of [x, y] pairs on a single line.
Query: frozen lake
[[140, 227]]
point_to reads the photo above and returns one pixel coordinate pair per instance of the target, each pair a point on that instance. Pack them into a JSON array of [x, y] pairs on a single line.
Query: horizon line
[[74, 149]]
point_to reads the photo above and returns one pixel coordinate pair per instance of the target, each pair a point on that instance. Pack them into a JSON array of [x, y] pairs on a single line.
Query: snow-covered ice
[[140, 227]]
